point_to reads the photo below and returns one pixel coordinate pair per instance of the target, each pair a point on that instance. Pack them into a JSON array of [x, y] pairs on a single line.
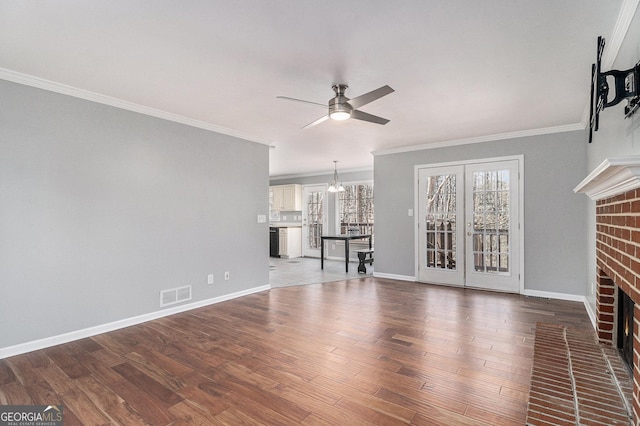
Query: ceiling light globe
[[340, 115]]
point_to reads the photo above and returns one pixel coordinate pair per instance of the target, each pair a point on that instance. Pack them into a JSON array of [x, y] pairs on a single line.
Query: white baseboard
[[592, 314], [339, 258], [105, 328], [394, 276], [552, 295], [532, 293], [116, 325]]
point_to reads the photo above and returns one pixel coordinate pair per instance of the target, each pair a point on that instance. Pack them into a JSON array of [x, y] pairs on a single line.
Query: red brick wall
[[618, 262]]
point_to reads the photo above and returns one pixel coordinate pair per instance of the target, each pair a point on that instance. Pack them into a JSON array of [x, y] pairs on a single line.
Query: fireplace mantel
[[614, 176]]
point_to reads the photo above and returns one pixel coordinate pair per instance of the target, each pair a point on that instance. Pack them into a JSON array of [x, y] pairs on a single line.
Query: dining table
[[345, 238]]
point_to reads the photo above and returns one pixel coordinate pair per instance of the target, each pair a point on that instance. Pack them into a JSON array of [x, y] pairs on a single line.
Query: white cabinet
[[290, 242], [283, 245], [285, 197]]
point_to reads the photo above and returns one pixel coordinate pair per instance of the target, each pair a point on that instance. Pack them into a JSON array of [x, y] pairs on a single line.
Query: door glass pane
[[440, 222], [491, 210], [314, 219]]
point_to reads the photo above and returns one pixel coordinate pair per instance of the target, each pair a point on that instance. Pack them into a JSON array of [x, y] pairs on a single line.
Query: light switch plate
[[262, 218]]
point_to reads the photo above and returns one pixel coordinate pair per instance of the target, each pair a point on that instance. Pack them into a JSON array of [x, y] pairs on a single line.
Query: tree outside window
[[355, 208]]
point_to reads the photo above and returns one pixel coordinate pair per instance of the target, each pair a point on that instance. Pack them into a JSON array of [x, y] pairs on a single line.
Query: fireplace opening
[[625, 328]]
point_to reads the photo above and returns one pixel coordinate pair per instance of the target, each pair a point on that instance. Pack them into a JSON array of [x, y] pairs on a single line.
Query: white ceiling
[[460, 69]]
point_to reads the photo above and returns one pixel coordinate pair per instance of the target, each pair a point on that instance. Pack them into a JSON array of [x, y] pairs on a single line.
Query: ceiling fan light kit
[[340, 115], [342, 108], [339, 108]]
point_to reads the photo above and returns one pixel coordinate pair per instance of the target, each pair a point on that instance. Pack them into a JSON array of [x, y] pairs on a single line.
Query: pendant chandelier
[[336, 186]]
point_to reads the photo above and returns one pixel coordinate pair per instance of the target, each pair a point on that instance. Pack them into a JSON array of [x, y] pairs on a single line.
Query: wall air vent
[[175, 295]]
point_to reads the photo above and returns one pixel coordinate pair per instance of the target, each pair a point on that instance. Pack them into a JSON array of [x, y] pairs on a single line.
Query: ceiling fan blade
[[370, 97], [318, 121], [359, 115], [286, 98]]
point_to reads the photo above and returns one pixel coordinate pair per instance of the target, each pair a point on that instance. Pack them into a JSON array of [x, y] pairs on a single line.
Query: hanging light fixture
[[336, 186]]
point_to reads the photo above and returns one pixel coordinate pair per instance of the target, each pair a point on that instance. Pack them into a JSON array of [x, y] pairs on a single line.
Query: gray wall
[[554, 239], [102, 208], [616, 137]]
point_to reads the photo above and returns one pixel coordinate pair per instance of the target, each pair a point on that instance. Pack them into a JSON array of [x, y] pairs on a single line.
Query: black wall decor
[[623, 83]]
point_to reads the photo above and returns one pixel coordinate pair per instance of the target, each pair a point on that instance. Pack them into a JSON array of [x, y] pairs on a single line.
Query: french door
[[440, 234], [468, 229], [314, 218]]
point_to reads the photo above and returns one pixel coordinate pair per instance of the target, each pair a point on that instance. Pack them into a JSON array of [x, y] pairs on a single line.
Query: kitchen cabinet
[[290, 242], [285, 197], [282, 242]]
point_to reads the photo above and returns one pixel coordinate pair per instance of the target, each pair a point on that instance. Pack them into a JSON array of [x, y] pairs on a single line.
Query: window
[[355, 208]]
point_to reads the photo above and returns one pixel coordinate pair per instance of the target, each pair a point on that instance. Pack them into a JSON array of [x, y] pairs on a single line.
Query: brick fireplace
[[615, 187]]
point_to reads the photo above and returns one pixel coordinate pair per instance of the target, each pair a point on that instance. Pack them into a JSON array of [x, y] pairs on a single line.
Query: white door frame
[[520, 219], [322, 187]]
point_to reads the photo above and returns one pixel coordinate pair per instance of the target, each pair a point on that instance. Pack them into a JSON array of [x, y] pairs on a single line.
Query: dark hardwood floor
[[358, 352]]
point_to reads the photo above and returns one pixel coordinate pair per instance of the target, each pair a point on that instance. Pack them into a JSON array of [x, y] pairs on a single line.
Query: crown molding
[[627, 12], [612, 177], [481, 139], [40, 83], [620, 29], [325, 173]]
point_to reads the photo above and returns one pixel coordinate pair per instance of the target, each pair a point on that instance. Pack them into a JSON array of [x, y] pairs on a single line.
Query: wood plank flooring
[[357, 352]]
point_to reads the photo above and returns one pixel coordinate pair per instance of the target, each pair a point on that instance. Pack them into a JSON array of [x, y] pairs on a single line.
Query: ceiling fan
[[342, 108]]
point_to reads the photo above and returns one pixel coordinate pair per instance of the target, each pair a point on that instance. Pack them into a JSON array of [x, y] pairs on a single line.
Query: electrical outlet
[[226, 276], [210, 279]]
